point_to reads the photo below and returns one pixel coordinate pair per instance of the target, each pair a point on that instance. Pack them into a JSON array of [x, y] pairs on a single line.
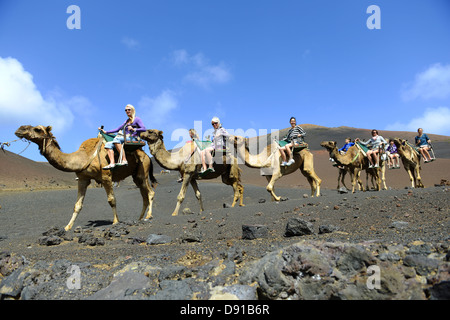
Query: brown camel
[[270, 159], [87, 163], [411, 162], [356, 161], [353, 159], [187, 162]]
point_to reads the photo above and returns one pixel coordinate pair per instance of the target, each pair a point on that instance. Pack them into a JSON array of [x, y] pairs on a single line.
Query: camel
[[87, 163], [269, 159], [411, 162], [354, 160], [187, 162]]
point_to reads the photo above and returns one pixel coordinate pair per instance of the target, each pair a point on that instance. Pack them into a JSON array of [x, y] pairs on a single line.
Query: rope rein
[[8, 144]]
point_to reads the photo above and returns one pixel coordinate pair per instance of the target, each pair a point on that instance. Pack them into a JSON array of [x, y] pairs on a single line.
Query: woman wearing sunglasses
[[132, 127]]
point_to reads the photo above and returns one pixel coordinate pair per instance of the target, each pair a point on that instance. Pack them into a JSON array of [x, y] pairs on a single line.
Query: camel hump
[[90, 144]]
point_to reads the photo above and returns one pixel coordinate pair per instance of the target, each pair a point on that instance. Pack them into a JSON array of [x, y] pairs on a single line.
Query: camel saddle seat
[[362, 147], [202, 145], [298, 147], [416, 149], [129, 146]]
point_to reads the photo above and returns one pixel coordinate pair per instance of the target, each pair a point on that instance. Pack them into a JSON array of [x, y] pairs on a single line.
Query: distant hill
[[18, 172]]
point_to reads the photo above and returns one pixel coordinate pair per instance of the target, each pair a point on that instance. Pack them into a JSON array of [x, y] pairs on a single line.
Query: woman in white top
[[218, 144], [374, 145]]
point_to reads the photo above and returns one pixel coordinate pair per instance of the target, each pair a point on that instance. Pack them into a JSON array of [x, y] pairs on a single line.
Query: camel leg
[[186, 180], [82, 187], [314, 182], [241, 194], [412, 179], [147, 194], [383, 175], [357, 180], [108, 185], [237, 188], [271, 186], [419, 183], [198, 195], [339, 179]]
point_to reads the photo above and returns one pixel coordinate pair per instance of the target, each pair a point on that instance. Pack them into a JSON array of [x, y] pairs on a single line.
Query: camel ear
[[49, 128], [160, 133]]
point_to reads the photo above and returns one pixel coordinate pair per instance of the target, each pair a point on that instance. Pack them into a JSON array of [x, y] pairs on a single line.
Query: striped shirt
[[293, 134]]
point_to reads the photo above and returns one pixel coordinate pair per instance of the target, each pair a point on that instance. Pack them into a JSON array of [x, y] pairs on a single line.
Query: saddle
[[298, 146], [129, 146]]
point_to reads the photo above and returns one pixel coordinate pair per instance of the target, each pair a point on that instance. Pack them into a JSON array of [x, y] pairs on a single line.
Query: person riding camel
[[220, 134], [293, 138], [423, 143], [374, 144], [132, 128]]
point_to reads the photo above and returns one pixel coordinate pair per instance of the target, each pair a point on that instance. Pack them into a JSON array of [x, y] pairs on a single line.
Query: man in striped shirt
[[293, 138]]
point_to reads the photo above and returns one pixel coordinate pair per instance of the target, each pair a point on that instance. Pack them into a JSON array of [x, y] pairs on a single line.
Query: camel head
[[37, 135], [329, 145], [152, 136], [399, 143]]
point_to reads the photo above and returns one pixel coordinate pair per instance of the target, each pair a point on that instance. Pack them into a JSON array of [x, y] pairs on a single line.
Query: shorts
[[117, 139]]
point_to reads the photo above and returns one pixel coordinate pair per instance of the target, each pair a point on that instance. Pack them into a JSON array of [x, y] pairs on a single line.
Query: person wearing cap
[[132, 127], [218, 143]]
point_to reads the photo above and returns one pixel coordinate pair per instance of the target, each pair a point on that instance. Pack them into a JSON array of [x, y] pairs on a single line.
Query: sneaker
[[211, 170], [370, 166], [292, 161], [284, 164]]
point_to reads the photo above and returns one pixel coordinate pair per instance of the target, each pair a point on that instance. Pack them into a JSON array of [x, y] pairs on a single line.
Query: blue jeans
[[117, 139]]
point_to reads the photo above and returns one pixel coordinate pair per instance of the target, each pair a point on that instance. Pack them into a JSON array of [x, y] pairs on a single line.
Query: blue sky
[[252, 63]]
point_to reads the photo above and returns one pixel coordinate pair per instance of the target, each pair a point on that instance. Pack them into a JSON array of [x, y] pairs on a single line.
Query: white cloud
[[22, 103], [130, 43], [433, 120], [432, 83], [157, 110], [201, 71]]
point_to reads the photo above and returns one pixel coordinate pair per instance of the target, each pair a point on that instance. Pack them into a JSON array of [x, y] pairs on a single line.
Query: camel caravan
[[117, 154]]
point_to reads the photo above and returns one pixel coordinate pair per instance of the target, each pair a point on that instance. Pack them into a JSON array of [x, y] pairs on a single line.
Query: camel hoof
[[242, 205], [174, 214]]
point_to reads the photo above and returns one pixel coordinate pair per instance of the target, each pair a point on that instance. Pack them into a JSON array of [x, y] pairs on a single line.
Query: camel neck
[[164, 158], [60, 160]]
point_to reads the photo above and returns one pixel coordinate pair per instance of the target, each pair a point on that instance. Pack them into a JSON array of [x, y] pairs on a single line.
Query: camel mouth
[[22, 133], [326, 144]]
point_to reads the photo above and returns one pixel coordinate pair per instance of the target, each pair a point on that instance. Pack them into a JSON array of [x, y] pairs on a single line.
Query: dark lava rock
[[298, 227], [250, 232]]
